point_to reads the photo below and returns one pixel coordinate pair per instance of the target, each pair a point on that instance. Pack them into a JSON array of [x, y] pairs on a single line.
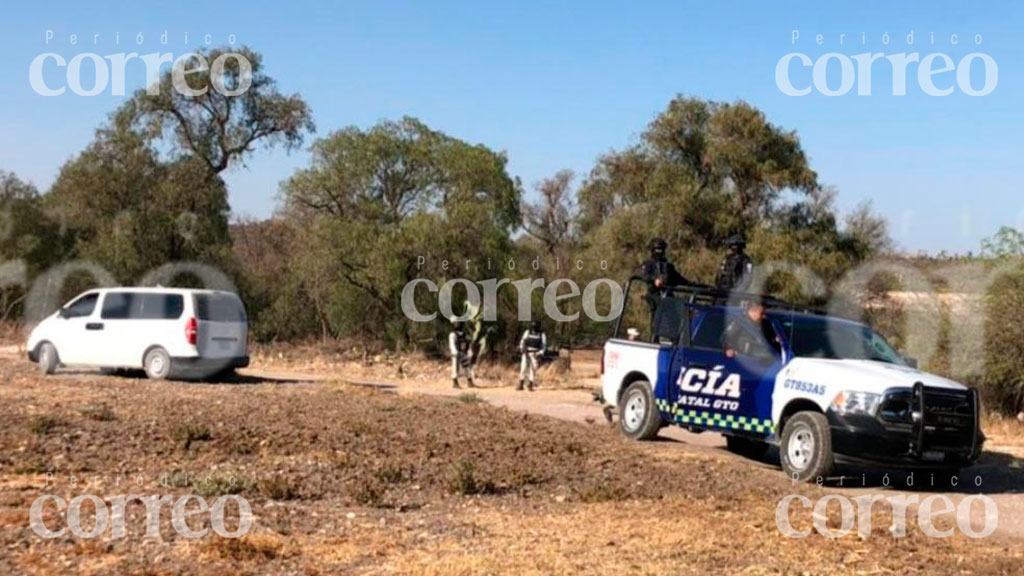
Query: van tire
[[746, 447], [48, 358], [806, 447], [639, 418], [157, 364]]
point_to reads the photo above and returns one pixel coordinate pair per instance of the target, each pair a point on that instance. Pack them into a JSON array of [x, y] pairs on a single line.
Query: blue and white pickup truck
[[825, 390]]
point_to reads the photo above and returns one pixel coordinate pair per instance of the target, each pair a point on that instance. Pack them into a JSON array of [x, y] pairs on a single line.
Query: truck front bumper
[[925, 428]]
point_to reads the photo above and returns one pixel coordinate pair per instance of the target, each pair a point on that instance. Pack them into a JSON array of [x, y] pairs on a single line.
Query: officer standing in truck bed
[[737, 269]]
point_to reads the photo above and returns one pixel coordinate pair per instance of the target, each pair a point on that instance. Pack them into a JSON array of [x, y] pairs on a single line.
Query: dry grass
[[342, 479], [1003, 431]]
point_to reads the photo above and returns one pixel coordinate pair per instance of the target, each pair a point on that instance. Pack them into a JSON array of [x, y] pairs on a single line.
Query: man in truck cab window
[[751, 334]]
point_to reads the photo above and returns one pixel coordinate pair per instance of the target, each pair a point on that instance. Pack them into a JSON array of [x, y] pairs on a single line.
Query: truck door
[[714, 391]]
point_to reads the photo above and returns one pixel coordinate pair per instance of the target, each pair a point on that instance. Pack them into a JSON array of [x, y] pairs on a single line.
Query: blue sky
[[556, 85]]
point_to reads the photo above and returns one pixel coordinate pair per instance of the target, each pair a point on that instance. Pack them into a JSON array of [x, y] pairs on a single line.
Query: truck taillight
[[191, 331]]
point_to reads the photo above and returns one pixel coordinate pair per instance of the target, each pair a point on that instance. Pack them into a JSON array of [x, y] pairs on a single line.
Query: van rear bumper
[[206, 364]]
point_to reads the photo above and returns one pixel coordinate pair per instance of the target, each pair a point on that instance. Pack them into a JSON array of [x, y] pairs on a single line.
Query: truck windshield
[[822, 338]]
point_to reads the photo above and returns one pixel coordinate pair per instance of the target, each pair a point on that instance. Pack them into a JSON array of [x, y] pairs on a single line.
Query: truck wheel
[[157, 364], [806, 448], [48, 359], [746, 447], [638, 416]]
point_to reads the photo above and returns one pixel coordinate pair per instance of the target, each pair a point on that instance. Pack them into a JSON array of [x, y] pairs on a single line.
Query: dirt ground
[[376, 466]]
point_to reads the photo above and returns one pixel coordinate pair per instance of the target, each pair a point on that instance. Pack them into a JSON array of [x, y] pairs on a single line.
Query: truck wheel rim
[[45, 360], [800, 448], [156, 365], [636, 409]]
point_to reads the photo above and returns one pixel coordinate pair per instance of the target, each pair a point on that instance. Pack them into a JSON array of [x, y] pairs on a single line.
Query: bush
[[1002, 384]]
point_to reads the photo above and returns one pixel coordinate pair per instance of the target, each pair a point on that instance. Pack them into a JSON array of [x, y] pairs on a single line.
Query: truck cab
[[825, 390]]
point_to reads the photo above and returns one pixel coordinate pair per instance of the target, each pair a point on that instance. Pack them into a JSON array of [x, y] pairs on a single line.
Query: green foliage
[[1003, 381], [131, 212], [705, 170], [148, 192], [218, 129], [31, 240], [1006, 243], [372, 202]]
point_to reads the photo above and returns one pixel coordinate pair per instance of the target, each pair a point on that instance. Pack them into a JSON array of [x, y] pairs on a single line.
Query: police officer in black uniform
[[737, 269], [659, 274]]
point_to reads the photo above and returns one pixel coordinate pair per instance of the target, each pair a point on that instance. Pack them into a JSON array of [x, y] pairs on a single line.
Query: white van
[[165, 331]]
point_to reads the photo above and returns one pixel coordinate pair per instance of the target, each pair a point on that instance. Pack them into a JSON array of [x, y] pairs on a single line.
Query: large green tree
[[147, 191], [702, 171], [372, 202], [129, 211], [31, 240], [211, 123]]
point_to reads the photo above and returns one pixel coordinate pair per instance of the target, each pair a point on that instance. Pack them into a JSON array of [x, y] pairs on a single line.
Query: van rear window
[[219, 308], [142, 306]]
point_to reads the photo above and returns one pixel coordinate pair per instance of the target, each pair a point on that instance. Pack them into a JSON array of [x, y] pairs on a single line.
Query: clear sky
[[555, 85]]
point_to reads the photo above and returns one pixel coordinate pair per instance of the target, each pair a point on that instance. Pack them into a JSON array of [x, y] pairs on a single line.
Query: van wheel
[[157, 364], [638, 417], [806, 448], [48, 358], [746, 447]]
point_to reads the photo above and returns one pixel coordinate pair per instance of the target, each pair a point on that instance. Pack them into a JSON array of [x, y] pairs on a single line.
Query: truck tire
[[806, 447], [638, 416], [48, 358], [746, 447], [157, 364]]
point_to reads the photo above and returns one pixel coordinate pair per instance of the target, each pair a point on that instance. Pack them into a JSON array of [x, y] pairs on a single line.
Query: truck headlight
[[856, 403]]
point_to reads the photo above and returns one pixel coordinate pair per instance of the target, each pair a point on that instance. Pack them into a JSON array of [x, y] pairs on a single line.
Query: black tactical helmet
[[736, 240], [535, 326], [658, 246]]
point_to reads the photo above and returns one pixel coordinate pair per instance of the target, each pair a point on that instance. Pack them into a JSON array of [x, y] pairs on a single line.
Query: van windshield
[[219, 308], [822, 338]]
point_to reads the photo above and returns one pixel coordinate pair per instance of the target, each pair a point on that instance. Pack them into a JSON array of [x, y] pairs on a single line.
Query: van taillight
[[602, 362], [191, 331]]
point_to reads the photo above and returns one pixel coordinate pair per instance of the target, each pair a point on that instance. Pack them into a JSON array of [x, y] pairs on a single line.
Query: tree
[[869, 230], [130, 212], [550, 219], [30, 240], [703, 171], [731, 147], [213, 125], [1006, 243], [374, 201], [147, 191]]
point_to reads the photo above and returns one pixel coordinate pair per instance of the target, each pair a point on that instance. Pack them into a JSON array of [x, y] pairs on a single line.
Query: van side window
[[142, 306], [709, 334], [82, 307], [158, 306], [116, 305]]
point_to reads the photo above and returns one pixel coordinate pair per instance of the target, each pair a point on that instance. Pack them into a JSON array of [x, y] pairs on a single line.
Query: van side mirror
[[912, 362], [63, 313]]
